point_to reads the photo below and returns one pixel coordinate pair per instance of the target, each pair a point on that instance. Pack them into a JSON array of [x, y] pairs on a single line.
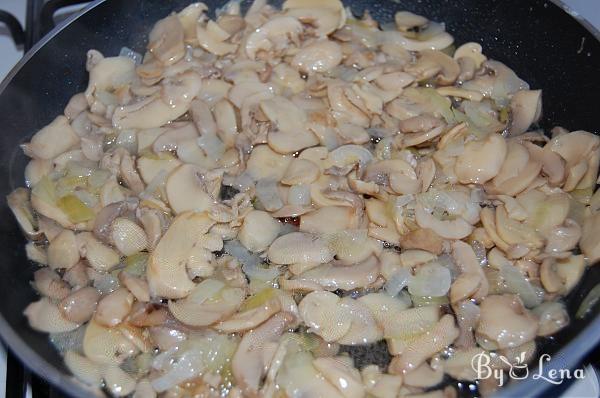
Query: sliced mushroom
[[166, 271], [504, 323], [202, 309], [526, 108], [323, 314], [54, 139], [249, 319], [590, 238], [165, 41], [298, 247], [318, 57], [128, 237], [472, 51], [63, 252], [101, 257], [481, 160], [253, 356], [325, 16], [117, 381], [18, 201], [45, 316], [106, 345], [258, 231], [344, 377], [114, 307], [48, 283], [79, 306], [300, 171], [186, 191], [435, 64], [84, 369], [273, 35]]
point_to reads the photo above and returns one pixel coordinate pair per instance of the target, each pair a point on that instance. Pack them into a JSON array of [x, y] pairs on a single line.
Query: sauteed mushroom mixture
[[259, 196]]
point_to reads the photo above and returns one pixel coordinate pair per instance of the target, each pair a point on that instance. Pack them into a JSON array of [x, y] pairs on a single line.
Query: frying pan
[[538, 39]]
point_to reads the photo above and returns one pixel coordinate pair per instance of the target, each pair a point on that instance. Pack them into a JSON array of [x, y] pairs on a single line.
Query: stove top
[[22, 24]]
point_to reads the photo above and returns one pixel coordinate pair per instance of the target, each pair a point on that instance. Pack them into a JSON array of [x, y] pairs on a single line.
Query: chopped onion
[[158, 181], [268, 195], [588, 302], [516, 283], [129, 53], [398, 281], [430, 280], [251, 262], [128, 139]]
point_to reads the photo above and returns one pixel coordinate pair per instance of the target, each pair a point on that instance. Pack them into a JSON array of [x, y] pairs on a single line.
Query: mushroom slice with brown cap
[[249, 319], [165, 41], [325, 16], [526, 108], [323, 314], [434, 64], [274, 35], [185, 190], [45, 316], [298, 247], [481, 160], [504, 322], [343, 376], [175, 99], [418, 350], [200, 308], [166, 271], [254, 353], [53, 140]]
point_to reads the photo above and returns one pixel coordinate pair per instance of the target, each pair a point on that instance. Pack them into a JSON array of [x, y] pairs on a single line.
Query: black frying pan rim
[[568, 357]]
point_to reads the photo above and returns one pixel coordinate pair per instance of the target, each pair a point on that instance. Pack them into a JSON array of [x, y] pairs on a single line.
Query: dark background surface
[[544, 46]]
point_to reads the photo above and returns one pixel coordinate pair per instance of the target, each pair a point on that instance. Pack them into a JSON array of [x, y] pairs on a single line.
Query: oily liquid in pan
[[294, 137]]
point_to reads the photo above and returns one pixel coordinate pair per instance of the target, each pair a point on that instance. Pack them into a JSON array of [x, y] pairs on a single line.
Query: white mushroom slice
[[200, 308], [44, 316], [165, 41], [53, 140], [344, 377], [349, 155], [160, 165], [264, 163], [363, 326], [323, 314], [289, 120], [325, 16], [166, 270], [329, 220], [474, 279], [117, 381], [49, 284], [186, 190], [504, 323], [225, 118], [437, 42], [83, 369], [274, 35], [481, 160], [418, 350], [253, 356], [212, 38], [63, 251], [106, 345], [101, 257], [36, 169], [552, 316], [79, 306], [188, 17], [318, 57], [590, 238], [300, 247], [174, 101], [108, 75], [249, 319], [170, 139], [300, 171], [114, 307], [342, 109], [434, 64], [513, 232], [563, 238], [128, 237], [452, 229], [258, 231], [424, 376], [333, 277], [526, 108], [471, 50], [395, 173]]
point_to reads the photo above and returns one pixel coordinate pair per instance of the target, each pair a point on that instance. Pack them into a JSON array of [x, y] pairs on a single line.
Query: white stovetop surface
[[10, 55]]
